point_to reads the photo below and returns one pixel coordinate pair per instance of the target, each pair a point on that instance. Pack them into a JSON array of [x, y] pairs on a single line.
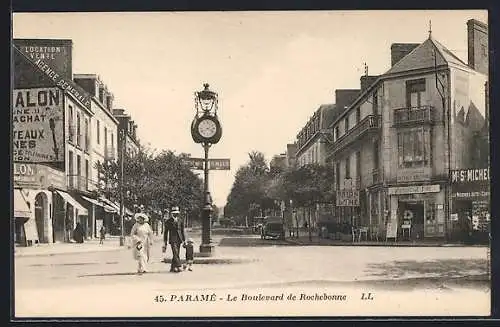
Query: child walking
[[102, 235], [189, 246]]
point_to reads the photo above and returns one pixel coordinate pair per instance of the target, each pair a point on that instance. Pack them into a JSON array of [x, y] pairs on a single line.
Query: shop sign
[[347, 198], [413, 175], [38, 176], [60, 80], [414, 189], [38, 125], [470, 176], [56, 52]]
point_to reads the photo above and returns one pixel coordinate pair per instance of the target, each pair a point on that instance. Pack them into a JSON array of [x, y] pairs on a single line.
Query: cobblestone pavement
[[109, 277]]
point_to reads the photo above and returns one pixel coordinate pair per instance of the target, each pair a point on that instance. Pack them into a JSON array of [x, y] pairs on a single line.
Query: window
[[375, 155], [346, 123], [415, 90], [112, 141], [412, 148], [87, 139], [71, 124], [358, 114], [358, 164], [98, 128], [483, 50], [375, 103], [105, 138], [348, 168], [70, 168], [337, 174], [86, 174], [78, 131]]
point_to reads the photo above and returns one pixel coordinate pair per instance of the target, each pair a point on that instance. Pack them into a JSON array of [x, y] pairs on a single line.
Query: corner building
[[410, 128]]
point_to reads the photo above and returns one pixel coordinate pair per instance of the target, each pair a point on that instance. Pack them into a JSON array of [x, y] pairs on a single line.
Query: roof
[[429, 54]]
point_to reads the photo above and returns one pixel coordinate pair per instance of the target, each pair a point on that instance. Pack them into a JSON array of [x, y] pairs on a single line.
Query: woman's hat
[[141, 216], [175, 210], [190, 240]]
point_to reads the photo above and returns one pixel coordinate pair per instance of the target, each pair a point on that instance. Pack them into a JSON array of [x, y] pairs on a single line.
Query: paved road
[[83, 284]]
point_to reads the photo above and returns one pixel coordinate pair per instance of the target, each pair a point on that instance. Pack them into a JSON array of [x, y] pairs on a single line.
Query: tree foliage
[[257, 188], [158, 181]]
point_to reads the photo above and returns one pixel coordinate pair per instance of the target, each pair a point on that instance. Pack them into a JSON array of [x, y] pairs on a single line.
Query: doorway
[[40, 213], [412, 213]]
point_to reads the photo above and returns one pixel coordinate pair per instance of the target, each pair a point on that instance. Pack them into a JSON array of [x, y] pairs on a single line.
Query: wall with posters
[[38, 125]]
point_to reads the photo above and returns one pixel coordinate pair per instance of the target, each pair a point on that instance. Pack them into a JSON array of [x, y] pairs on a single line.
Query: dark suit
[[174, 235]]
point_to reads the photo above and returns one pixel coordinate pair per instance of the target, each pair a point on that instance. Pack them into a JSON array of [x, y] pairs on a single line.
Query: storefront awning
[[21, 209], [97, 203], [68, 198]]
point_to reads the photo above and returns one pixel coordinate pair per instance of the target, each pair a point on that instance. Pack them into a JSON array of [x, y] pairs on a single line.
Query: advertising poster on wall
[[38, 125]]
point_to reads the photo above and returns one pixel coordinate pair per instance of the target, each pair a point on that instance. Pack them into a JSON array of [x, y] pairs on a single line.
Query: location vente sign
[[38, 125]]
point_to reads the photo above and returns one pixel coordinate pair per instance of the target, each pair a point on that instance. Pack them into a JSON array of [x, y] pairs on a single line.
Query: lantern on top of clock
[[206, 127]]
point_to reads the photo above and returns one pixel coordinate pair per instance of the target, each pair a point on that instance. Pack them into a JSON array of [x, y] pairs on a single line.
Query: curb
[[381, 244]]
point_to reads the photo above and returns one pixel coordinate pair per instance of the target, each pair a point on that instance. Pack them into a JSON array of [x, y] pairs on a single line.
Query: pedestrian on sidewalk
[[78, 233], [174, 235], [189, 246], [102, 235], [142, 240]]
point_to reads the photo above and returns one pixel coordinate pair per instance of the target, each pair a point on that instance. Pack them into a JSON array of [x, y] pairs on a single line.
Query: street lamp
[[206, 130]]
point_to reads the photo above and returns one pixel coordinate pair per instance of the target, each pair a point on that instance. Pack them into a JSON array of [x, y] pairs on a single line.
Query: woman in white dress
[[142, 240]]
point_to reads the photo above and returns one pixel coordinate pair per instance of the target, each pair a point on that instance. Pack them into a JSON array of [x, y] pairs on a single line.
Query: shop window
[[413, 148]]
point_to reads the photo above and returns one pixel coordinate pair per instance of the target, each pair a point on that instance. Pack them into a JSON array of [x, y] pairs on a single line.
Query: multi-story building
[[128, 128], [310, 147], [103, 208], [394, 147], [62, 128], [45, 96]]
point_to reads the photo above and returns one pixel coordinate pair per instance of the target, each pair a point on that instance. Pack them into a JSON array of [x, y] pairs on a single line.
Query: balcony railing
[[79, 183], [414, 115], [366, 126]]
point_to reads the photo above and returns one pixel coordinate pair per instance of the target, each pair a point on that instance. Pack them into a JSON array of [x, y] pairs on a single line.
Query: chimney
[[477, 45], [367, 81], [400, 50], [109, 101]]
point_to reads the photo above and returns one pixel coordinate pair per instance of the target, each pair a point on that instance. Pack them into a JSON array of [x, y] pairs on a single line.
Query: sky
[[272, 69]]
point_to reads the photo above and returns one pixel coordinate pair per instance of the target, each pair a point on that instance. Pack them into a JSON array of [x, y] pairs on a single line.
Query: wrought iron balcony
[[414, 116], [78, 183], [366, 126]]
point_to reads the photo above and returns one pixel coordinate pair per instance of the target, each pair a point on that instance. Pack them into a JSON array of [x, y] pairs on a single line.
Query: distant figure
[[142, 240], [189, 246], [174, 235], [78, 233], [102, 234]]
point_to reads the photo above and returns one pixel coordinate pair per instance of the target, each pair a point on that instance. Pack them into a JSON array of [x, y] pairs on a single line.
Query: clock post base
[[206, 250]]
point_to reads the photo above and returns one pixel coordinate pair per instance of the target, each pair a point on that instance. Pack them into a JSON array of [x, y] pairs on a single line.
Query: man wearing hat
[[174, 235]]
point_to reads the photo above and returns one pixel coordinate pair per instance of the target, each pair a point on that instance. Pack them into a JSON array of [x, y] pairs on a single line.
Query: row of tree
[[259, 189], [156, 180]]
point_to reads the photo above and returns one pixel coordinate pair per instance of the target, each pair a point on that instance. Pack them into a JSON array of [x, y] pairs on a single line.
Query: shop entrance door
[[412, 214]]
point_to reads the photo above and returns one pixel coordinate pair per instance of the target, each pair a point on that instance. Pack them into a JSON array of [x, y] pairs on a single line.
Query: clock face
[[207, 128]]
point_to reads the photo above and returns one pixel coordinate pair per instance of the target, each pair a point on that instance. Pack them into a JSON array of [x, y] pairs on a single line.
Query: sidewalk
[[112, 244], [317, 241]]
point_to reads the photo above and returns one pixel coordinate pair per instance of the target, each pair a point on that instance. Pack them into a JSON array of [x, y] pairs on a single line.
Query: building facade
[[397, 144], [62, 128]]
